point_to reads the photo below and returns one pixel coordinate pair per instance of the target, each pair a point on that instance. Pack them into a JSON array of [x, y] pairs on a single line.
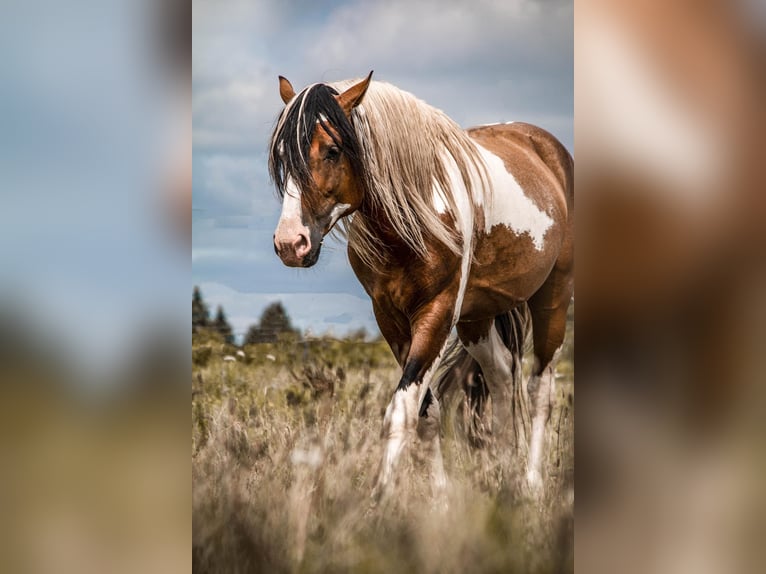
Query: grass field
[[283, 471]]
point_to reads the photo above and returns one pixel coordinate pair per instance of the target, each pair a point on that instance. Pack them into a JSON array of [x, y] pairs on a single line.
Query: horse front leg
[[414, 410], [399, 425]]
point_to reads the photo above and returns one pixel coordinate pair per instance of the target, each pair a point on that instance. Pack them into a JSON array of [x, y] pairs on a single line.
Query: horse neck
[[379, 223], [380, 226]]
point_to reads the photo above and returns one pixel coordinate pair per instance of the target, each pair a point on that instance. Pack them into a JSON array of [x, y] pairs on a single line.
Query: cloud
[[234, 113], [233, 185], [243, 258], [342, 319], [225, 254], [481, 62], [437, 36]]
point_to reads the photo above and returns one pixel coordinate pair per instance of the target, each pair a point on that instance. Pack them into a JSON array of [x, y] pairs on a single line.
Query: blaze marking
[[291, 219]]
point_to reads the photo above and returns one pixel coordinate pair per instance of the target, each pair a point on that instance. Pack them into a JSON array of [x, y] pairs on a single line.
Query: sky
[[479, 61], [90, 119]]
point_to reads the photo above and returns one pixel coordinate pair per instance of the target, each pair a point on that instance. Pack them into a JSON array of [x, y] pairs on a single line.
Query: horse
[[447, 230]]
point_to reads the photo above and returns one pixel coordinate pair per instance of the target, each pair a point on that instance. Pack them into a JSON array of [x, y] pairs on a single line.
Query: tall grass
[[283, 473]]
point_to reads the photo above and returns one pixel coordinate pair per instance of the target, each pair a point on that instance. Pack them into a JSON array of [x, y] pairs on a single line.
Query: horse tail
[[514, 328]]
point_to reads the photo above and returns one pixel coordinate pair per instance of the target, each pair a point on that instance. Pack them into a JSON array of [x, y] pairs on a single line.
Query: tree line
[[273, 322]]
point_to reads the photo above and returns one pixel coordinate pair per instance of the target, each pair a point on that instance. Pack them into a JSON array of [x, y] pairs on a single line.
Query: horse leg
[[540, 390], [477, 410], [399, 423], [548, 309], [428, 428], [484, 344], [413, 408]]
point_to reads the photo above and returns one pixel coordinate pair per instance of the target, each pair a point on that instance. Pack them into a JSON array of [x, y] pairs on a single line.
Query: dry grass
[[282, 476]]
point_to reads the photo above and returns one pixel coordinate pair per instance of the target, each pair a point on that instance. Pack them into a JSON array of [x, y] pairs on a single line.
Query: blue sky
[[480, 62], [90, 119]]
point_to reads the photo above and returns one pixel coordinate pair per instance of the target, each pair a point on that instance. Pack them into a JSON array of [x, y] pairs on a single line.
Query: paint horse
[[446, 229]]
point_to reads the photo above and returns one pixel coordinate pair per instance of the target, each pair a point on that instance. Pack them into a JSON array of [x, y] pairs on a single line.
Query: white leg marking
[[428, 432], [429, 427], [399, 424], [496, 362], [541, 408]]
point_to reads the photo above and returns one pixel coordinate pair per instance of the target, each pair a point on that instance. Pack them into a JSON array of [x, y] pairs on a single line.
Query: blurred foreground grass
[[283, 469], [92, 486]]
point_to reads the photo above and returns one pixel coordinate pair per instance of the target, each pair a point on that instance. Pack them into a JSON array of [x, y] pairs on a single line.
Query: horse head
[[315, 161]]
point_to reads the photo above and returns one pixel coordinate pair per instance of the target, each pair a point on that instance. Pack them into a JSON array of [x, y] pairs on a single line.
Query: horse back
[[512, 261], [511, 139]]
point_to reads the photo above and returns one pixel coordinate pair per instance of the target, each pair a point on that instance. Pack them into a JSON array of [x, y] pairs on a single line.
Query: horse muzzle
[[297, 251]]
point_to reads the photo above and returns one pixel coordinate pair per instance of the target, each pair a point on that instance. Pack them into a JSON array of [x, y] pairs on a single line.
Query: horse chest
[[405, 284]]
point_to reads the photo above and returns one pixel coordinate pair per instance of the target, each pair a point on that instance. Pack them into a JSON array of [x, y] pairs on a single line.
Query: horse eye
[[333, 153]]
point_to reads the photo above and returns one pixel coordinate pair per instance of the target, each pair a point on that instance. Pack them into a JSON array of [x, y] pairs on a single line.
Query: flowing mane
[[403, 151]]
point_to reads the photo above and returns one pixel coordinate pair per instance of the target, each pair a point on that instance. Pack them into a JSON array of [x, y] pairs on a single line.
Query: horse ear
[[286, 89], [352, 97]]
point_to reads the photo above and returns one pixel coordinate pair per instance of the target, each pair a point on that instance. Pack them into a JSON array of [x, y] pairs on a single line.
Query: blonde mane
[[408, 150]]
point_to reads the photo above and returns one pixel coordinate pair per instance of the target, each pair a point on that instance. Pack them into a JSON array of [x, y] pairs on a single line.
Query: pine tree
[[254, 335], [274, 321], [359, 335], [221, 325], [200, 313]]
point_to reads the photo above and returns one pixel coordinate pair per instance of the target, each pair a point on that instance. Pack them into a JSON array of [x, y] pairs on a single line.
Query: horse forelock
[[291, 141]]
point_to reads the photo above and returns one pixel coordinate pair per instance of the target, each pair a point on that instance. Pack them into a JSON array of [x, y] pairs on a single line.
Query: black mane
[[295, 129]]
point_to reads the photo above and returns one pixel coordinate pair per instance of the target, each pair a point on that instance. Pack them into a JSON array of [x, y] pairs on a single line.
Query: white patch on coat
[[337, 212], [509, 205], [440, 202], [291, 220], [645, 125]]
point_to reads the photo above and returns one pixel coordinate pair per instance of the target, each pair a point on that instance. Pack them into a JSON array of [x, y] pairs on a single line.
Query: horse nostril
[[302, 246]]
